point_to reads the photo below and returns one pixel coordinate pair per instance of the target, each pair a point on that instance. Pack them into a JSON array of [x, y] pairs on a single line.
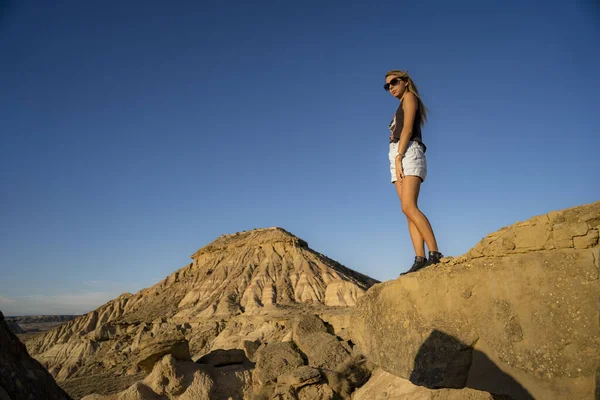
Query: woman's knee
[[410, 210]]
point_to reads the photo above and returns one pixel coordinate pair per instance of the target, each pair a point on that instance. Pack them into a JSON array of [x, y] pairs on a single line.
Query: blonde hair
[[411, 87]]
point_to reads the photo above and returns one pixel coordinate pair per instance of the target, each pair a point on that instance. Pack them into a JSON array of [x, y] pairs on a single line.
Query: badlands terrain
[[38, 323], [26, 327], [260, 315]]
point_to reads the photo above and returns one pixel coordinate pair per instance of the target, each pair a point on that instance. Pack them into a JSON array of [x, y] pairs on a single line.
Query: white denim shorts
[[413, 163]]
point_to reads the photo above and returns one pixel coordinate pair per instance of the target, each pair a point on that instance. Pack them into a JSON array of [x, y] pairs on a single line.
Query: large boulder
[[322, 349], [250, 348], [517, 315], [275, 359], [299, 377], [232, 381], [169, 379], [154, 349], [221, 357], [22, 377]]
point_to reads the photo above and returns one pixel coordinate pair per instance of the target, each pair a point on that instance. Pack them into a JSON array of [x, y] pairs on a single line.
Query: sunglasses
[[393, 82]]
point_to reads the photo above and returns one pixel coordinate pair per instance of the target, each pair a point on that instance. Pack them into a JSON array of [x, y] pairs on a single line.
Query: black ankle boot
[[417, 265], [434, 258]]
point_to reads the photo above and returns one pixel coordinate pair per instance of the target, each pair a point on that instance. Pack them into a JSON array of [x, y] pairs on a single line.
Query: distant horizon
[[321, 252], [45, 315], [133, 134]]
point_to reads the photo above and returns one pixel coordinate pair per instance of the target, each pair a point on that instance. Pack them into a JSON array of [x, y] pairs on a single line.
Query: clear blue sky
[[134, 133]]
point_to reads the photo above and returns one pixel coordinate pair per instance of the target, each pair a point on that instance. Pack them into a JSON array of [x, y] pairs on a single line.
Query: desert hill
[[242, 286], [514, 318], [259, 315]]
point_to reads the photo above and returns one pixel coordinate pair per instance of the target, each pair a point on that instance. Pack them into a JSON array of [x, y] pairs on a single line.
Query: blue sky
[[134, 134]]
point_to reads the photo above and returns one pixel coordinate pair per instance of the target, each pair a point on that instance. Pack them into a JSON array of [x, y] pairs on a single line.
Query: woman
[[408, 164]]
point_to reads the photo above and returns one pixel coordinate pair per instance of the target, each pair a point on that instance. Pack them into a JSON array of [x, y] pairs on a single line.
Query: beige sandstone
[[299, 377], [170, 379], [316, 392], [517, 315], [156, 348], [385, 386], [322, 349], [247, 286], [276, 359]]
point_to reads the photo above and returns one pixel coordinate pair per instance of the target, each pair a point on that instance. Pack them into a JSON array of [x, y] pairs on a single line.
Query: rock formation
[[386, 386], [181, 380], [22, 377], [240, 289], [260, 316], [282, 371], [517, 315]]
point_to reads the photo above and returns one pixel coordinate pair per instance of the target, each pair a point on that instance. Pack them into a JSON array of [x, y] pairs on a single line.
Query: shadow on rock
[[445, 362], [222, 358]]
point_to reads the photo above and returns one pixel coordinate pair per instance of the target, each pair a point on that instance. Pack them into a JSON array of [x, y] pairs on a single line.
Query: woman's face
[[397, 86]]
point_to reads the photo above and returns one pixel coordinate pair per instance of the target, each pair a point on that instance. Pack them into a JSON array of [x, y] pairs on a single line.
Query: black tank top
[[398, 123]]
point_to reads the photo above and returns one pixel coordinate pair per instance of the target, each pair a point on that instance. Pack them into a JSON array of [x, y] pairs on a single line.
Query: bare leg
[[415, 235], [409, 195]]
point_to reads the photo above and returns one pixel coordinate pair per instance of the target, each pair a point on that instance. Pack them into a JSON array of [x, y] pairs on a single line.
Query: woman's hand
[[399, 172]]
